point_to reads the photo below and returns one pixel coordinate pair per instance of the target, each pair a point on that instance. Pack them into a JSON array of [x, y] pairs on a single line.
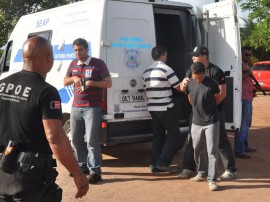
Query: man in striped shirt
[[89, 76], [158, 80]]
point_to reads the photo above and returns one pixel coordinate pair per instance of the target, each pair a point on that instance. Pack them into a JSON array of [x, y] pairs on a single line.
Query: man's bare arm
[[104, 83], [62, 151], [222, 93], [72, 80]]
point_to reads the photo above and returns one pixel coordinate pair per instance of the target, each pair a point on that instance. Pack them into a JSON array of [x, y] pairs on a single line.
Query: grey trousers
[[206, 137]]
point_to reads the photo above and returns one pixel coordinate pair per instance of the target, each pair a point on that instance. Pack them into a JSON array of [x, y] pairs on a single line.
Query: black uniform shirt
[[25, 100], [204, 106]]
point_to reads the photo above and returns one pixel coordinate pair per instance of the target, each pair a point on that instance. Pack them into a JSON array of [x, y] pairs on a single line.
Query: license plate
[[132, 97]]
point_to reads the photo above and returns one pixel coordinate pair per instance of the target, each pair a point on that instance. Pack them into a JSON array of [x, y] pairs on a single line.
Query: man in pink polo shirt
[[241, 143]]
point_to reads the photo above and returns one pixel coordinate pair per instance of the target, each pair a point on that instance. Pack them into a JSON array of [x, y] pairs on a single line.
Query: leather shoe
[[242, 156], [167, 169], [251, 150], [94, 178]]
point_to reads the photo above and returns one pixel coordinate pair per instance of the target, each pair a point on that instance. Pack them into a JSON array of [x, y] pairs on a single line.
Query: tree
[[245, 33], [12, 10], [256, 32]]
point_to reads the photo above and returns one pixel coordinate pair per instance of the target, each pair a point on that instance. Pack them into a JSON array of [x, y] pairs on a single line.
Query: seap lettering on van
[[123, 33]]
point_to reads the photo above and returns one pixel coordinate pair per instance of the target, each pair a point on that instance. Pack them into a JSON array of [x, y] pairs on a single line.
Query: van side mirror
[[5, 59]]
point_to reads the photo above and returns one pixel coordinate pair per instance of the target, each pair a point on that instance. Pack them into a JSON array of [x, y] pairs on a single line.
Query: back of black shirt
[[25, 100]]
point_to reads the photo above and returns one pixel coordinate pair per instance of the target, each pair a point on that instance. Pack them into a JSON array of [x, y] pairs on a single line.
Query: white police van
[[122, 33]]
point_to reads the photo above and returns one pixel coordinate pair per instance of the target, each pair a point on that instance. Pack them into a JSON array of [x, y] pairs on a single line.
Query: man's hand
[[77, 81], [184, 84], [82, 185]]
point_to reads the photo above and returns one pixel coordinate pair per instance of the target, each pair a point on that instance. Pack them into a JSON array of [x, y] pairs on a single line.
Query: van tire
[[67, 130], [66, 126]]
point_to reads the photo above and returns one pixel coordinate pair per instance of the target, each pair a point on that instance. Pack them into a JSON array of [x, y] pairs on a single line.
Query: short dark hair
[[80, 42], [158, 51], [197, 68], [246, 48]]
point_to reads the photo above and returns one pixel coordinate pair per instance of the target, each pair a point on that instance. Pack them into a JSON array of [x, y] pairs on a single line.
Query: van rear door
[[129, 40], [222, 36]]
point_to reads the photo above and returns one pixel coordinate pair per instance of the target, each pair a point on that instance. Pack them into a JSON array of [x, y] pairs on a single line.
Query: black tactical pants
[[28, 187]]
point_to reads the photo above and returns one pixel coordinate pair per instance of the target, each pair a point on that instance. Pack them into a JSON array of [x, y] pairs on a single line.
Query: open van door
[[130, 37], [222, 37]]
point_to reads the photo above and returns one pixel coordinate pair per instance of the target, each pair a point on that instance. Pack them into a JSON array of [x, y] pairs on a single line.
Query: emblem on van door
[[132, 58], [133, 82], [116, 108]]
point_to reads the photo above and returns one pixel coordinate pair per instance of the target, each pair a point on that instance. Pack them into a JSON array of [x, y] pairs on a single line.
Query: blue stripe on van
[[67, 53], [66, 94]]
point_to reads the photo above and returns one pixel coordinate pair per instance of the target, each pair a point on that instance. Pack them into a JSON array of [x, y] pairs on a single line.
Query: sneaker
[[168, 169], [94, 178], [185, 174], [213, 186], [227, 175], [197, 178]]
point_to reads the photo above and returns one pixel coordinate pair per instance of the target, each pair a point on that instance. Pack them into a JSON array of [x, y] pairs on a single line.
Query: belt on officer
[[27, 160]]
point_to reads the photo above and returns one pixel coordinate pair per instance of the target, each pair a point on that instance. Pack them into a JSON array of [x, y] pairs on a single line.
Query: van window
[[261, 67], [47, 35], [5, 59]]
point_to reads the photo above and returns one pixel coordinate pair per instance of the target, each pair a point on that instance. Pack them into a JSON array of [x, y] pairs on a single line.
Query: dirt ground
[[126, 175]]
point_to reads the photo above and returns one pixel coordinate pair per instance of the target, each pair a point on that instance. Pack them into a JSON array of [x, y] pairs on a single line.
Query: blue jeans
[[206, 136], [165, 145], [85, 126], [240, 142]]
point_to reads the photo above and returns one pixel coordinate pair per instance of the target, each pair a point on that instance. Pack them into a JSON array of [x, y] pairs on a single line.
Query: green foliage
[[257, 28], [1, 52], [12, 10], [259, 9]]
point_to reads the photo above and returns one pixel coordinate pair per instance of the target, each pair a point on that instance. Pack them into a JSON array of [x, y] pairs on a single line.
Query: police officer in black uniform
[[201, 54], [31, 131]]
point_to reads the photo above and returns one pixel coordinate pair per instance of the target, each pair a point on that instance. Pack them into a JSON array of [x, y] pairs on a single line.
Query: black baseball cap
[[200, 50]]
